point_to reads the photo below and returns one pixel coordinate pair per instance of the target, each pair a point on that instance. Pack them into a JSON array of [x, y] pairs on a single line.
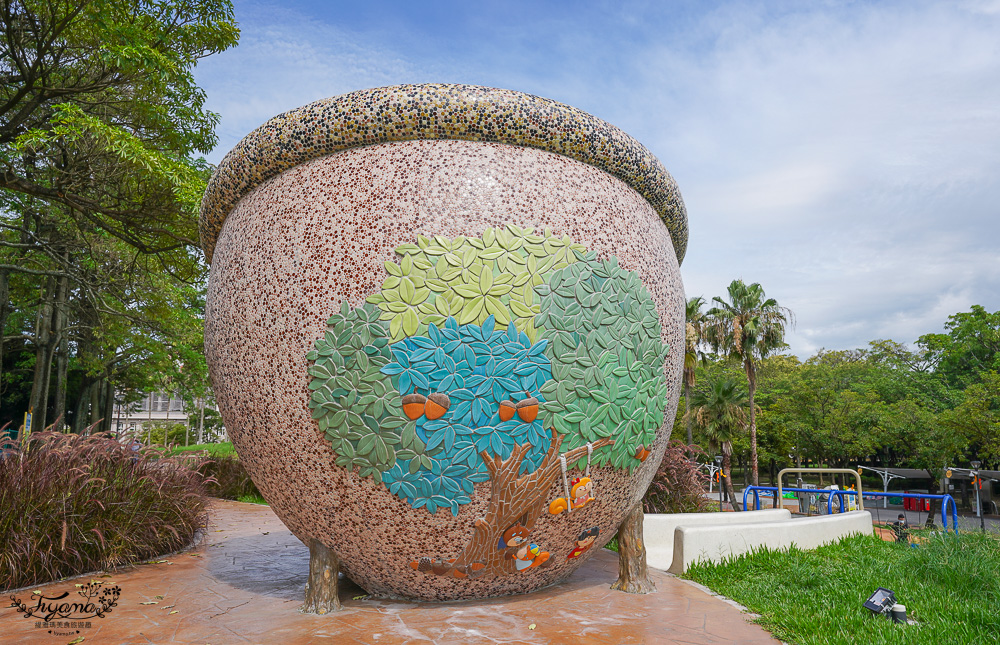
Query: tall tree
[[970, 347], [694, 318], [719, 411], [749, 327], [100, 125]]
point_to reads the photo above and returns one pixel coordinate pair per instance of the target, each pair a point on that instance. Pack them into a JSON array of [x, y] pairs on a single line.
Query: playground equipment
[[832, 492], [946, 500], [825, 471]]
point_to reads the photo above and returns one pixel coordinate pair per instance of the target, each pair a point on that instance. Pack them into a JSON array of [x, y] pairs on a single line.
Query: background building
[[161, 417]]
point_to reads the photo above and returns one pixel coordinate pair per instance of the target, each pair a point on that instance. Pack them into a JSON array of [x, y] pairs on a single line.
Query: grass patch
[[72, 504], [224, 449], [252, 499], [949, 584]]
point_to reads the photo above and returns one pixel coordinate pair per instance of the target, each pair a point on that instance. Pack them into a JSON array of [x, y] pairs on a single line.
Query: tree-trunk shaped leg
[[632, 574], [321, 587]]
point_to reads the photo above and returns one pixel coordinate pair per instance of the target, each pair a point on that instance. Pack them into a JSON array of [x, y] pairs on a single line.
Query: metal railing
[[946, 500], [813, 491]]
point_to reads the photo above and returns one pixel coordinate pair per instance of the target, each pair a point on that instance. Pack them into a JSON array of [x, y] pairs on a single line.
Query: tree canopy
[[935, 405], [101, 123]]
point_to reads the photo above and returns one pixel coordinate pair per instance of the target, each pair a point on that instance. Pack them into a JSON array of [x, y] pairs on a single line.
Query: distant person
[[135, 447], [901, 529]]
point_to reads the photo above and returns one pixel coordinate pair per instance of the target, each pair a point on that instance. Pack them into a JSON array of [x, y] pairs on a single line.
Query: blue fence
[[945, 499], [774, 489]]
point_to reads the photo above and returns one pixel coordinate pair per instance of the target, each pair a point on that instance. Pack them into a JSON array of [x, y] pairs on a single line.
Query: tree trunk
[[727, 472], [201, 421], [60, 343], [752, 389], [149, 421], [514, 501], [687, 410], [935, 504], [321, 586], [4, 313], [82, 407], [109, 403], [633, 576], [771, 472], [38, 403], [95, 402]]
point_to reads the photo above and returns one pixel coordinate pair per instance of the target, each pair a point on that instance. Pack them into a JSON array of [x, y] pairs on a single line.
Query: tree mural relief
[[509, 358]]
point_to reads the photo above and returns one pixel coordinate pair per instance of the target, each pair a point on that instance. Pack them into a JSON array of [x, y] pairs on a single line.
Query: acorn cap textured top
[[436, 111]]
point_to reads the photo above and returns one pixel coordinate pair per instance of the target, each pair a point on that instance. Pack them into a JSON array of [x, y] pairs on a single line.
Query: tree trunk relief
[[501, 536], [321, 587], [633, 576]]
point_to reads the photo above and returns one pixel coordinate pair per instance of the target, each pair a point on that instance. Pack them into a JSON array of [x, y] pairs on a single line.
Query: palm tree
[[750, 327], [720, 412], [692, 353]]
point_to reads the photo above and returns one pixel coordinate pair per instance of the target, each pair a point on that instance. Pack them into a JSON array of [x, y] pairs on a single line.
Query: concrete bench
[[716, 542], [658, 529]]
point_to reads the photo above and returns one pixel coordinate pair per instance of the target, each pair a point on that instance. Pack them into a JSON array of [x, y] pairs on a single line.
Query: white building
[[157, 409]]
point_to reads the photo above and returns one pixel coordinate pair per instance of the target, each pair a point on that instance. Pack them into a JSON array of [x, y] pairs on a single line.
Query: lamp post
[[977, 484], [718, 464]]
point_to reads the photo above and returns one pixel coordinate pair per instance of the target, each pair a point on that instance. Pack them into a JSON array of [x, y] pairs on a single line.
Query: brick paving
[[243, 584]]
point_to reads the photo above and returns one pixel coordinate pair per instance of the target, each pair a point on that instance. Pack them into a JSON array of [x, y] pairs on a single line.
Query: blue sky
[[846, 155]]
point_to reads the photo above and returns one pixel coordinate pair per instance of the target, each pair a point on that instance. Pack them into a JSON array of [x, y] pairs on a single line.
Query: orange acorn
[[439, 567], [527, 408], [413, 405], [437, 404], [506, 410], [641, 453], [476, 569]]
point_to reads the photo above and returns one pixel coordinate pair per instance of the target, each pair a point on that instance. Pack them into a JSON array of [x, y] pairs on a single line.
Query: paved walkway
[[243, 584]]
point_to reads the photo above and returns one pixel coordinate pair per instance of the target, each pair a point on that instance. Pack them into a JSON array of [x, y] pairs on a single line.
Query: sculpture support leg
[[632, 574], [321, 587]]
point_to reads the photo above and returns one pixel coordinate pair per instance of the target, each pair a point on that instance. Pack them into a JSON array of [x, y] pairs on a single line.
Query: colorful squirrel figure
[[580, 495], [526, 554]]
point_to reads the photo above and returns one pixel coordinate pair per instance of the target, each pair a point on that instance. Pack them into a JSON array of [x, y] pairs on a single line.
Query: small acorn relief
[[527, 408], [507, 410], [437, 404], [413, 405]]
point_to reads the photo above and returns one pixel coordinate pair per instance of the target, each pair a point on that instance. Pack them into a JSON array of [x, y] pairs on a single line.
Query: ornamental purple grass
[[71, 504]]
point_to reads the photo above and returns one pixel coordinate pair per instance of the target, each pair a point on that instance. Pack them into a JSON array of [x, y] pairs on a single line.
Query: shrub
[[679, 485], [70, 504], [227, 478]]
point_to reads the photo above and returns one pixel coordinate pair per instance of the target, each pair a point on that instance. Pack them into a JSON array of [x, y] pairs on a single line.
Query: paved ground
[[243, 584]]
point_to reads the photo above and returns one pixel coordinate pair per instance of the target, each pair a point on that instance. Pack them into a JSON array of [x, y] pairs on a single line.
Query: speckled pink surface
[[318, 234]]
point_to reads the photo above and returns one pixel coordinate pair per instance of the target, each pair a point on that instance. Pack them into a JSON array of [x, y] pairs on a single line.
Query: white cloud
[[844, 155]]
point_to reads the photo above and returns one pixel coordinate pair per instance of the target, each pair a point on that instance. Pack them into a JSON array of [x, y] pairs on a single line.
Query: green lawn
[[950, 586], [252, 499], [214, 449]]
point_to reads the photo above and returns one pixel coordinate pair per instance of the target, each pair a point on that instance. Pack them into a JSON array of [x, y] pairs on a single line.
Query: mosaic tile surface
[[437, 111], [327, 232]]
